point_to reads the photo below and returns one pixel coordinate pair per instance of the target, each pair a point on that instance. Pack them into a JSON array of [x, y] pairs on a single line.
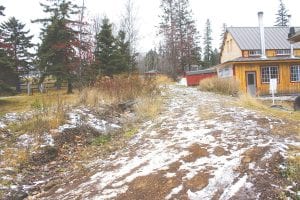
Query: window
[[283, 52], [254, 52], [295, 73], [269, 72]]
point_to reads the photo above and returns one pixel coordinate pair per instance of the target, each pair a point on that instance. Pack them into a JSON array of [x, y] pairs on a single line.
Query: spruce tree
[[151, 60], [2, 8], [60, 42], [105, 49], [282, 15], [123, 55], [18, 44], [207, 54], [180, 35]]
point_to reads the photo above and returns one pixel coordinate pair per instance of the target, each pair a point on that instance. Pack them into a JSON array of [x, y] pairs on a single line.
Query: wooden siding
[[285, 86], [230, 50], [195, 79]]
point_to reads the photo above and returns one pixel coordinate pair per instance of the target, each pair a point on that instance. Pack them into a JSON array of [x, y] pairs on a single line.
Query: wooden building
[[193, 78], [254, 55]]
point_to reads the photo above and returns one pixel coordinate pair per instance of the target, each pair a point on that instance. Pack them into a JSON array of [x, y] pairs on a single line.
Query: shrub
[[113, 90], [227, 86]]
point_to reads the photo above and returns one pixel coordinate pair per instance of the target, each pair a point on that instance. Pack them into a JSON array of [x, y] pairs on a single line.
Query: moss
[[101, 140], [131, 132]]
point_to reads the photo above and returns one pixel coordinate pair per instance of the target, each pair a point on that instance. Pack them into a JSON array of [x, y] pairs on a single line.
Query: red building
[[194, 77]]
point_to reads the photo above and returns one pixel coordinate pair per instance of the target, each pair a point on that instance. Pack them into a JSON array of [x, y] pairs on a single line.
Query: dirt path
[[199, 148]]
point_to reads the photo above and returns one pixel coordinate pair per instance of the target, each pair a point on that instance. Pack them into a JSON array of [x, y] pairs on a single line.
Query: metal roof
[[248, 38], [204, 71]]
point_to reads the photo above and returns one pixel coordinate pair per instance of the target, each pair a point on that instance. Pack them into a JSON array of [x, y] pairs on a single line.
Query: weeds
[[149, 107], [226, 86], [130, 132], [101, 140]]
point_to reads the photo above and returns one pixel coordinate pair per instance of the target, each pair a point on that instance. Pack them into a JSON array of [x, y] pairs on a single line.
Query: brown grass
[[250, 102], [148, 107], [226, 86], [24, 102]]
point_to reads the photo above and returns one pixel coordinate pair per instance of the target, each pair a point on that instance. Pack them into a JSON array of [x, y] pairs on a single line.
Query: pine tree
[[60, 42], [224, 29], [105, 49], [282, 15], [8, 76], [215, 57], [2, 8], [207, 54], [151, 60], [180, 35], [18, 43], [123, 58]]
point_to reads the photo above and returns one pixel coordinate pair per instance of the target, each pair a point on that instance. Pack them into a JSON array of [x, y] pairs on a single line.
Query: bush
[[227, 86], [117, 89], [5, 89]]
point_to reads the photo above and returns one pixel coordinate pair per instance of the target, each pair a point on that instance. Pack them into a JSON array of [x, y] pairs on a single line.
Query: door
[[251, 83]]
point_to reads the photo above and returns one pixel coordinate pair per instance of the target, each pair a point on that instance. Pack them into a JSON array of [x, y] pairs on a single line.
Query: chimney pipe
[[262, 34]]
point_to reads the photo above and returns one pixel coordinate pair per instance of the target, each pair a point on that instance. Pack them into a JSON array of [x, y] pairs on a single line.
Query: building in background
[[254, 55]]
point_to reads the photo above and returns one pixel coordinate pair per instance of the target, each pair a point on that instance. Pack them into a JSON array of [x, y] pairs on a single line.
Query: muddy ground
[[202, 146]]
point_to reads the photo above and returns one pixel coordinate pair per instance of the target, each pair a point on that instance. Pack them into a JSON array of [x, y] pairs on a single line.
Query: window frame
[[262, 76], [256, 54], [297, 73], [287, 53]]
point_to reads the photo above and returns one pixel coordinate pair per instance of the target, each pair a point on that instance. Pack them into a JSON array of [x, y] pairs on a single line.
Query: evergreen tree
[[180, 35], [8, 76], [282, 15], [123, 58], [207, 54], [106, 49], [215, 57], [18, 43], [2, 8], [60, 42], [224, 29], [151, 60]]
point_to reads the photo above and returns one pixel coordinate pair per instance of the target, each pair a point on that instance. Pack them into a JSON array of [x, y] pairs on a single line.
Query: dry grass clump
[[148, 107], [226, 86], [245, 100], [163, 80], [113, 90]]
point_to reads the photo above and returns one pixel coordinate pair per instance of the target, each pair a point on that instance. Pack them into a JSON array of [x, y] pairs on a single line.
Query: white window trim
[[298, 71], [261, 74]]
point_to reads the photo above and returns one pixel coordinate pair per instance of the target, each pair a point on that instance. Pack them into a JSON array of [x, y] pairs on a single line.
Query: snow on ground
[[81, 116], [198, 144]]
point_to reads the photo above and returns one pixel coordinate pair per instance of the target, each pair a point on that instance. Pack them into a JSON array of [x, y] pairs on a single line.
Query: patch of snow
[[232, 190], [183, 82], [48, 140], [25, 140], [174, 191], [170, 175], [2, 125]]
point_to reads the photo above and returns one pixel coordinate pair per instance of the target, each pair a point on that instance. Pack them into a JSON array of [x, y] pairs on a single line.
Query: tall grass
[[118, 89], [226, 86]]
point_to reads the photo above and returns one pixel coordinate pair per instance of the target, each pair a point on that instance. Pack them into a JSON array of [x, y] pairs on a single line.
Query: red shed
[[194, 77]]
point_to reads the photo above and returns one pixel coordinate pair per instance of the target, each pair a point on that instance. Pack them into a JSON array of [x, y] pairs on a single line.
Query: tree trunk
[[70, 87]]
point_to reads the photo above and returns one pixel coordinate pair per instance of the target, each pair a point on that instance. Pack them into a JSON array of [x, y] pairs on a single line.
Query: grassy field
[[24, 102]]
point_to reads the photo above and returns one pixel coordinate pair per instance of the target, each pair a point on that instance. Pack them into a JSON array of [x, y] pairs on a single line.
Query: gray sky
[[231, 12]]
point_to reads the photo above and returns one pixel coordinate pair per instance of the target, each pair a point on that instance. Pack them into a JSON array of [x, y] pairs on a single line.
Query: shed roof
[[248, 38]]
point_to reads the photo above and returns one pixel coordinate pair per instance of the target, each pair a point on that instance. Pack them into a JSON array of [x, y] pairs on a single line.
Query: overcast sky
[[231, 12]]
